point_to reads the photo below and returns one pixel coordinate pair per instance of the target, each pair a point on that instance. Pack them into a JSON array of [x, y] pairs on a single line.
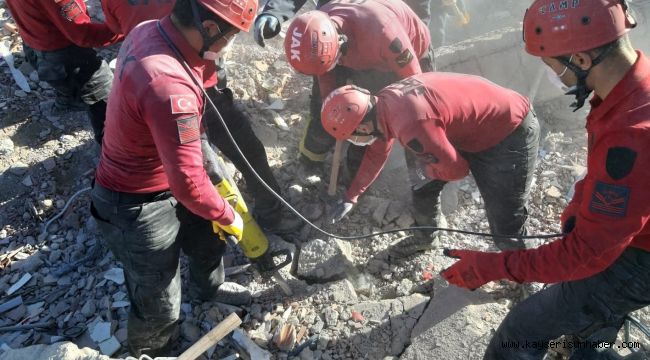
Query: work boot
[[284, 223], [227, 293], [421, 240]]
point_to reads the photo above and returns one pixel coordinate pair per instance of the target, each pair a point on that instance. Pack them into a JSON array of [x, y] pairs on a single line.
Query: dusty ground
[[370, 306]]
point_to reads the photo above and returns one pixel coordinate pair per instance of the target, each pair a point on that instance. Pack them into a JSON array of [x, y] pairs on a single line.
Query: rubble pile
[[350, 299]]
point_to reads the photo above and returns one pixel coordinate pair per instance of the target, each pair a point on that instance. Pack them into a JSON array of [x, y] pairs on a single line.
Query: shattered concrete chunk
[[322, 261]]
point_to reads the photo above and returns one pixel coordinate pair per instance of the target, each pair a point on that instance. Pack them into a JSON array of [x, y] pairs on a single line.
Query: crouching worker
[[58, 38], [152, 197], [453, 123]]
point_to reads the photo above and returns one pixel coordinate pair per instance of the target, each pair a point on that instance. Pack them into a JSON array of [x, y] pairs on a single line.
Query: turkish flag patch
[[183, 104], [188, 129], [608, 199]]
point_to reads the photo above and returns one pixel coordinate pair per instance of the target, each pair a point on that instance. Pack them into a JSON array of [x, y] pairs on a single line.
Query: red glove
[[475, 268]]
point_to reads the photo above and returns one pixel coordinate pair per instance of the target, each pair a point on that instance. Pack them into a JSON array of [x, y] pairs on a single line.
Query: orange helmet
[[312, 43], [559, 27], [344, 109], [238, 13]]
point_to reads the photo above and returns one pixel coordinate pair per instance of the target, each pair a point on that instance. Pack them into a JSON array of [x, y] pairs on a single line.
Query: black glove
[[339, 211], [266, 27]]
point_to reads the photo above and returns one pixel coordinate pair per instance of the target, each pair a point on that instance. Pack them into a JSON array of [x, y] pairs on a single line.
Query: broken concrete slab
[[20, 283], [115, 275], [388, 325], [322, 261], [456, 324], [100, 332], [110, 346], [60, 351], [341, 291]]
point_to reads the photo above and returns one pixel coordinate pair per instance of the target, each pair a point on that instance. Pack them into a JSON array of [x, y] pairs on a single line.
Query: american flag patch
[[188, 129], [610, 199], [70, 10]]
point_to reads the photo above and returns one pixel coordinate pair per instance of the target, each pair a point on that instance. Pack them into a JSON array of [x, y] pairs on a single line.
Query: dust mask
[[556, 79], [222, 53]]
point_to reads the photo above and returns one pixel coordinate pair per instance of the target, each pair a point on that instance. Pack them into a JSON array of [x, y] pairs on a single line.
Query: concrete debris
[[253, 350], [380, 211], [115, 275], [10, 304], [100, 332], [109, 346], [456, 324], [395, 319], [59, 351], [553, 192], [341, 291], [20, 283], [322, 261]]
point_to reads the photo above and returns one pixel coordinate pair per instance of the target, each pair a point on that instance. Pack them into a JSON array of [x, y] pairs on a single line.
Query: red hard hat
[[560, 27], [238, 13], [312, 43], [343, 110]]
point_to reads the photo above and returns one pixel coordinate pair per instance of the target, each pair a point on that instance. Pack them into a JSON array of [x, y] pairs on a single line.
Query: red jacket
[[612, 203], [383, 35], [435, 115], [153, 123], [49, 25], [123, 15]]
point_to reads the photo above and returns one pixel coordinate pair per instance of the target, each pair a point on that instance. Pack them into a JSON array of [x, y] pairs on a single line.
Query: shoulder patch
[[404, 58], [396, 46], [608, 199], [183, 104], [70, 10], [188, 129], [415, 145], [620, 161]]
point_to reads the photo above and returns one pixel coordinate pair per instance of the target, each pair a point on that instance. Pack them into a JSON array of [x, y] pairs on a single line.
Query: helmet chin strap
[[372, 114], [208, 40], [580, 90]]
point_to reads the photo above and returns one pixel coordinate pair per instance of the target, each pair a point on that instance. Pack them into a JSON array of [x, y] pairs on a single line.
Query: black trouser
[[503, 174], [267, 206], [146, 233], [592, 309], [79, 76]]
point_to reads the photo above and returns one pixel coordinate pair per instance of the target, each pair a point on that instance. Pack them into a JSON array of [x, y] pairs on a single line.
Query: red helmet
[[560, 27], [312, 43], [238, 13], [343, 110]]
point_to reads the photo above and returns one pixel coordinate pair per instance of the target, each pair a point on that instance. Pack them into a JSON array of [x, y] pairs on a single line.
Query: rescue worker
[[453, 123], [370, 44], [122, 16], [269, 21], [58, 37], [601, 267], [152, 197]]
